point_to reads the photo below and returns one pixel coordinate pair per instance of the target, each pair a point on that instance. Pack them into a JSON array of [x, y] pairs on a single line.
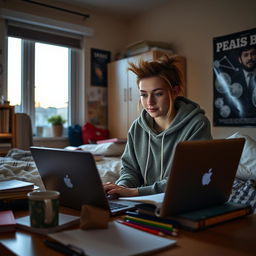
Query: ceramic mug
[[44, 208]]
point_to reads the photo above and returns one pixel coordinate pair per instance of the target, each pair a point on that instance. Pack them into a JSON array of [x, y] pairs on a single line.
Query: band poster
[[234, 79], [99, 61]]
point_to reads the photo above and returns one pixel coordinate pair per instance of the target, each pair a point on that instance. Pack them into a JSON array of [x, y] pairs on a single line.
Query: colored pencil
[[150, 222], [150, 217], [148, 230], [167, 232]]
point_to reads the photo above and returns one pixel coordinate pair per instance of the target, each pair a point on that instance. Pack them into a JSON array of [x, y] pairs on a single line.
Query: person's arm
[[155, 188], [130, 174]]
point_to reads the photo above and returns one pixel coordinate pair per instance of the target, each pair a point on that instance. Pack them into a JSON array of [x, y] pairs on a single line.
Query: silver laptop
[[74, 174], [202, 175]]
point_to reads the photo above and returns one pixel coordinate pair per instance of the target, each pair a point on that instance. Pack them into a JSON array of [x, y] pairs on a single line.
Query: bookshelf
[[7, 128]]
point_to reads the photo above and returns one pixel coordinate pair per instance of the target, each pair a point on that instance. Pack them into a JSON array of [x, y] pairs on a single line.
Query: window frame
[[75, 112]]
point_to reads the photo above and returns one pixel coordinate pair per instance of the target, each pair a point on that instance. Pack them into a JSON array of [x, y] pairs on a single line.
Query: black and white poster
[[234, 79], [99, 61]]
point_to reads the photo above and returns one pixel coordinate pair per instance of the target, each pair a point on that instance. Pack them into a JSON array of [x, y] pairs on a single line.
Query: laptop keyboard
[[114, 206]]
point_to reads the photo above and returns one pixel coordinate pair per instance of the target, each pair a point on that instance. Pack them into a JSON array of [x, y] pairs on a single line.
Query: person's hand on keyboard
[[117, 191], [112, 196]]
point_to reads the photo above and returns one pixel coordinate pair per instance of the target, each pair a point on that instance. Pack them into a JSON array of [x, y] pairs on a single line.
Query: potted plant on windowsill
[[57, 125]]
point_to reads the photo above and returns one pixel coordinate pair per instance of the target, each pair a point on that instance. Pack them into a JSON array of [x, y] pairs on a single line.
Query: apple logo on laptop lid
[[206, 178], [68, 182]]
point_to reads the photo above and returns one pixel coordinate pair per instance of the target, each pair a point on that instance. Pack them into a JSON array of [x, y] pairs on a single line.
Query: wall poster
[[234, 79], [97, 106], [99, 61]]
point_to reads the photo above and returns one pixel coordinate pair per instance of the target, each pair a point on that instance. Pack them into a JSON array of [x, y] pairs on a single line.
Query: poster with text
[[234, 79], [99, 61]]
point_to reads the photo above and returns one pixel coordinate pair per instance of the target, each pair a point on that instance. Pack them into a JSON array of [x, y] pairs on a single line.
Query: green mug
[[44, 208]]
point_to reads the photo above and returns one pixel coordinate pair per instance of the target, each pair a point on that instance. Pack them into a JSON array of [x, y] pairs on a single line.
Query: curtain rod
[[58, 8]]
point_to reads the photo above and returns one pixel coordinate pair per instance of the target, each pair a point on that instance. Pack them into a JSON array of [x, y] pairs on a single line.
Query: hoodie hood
[[185, 111]]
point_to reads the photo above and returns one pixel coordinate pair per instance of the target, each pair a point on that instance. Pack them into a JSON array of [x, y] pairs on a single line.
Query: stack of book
[[145, 46], [15, 189], [193, 220], [13, 193], [204, 218]]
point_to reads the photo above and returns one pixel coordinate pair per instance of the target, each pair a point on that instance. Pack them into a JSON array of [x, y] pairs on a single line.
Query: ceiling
[[119, 8]]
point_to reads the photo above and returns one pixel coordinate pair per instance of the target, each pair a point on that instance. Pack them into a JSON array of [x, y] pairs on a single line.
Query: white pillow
[[247, 166], [104, 149]]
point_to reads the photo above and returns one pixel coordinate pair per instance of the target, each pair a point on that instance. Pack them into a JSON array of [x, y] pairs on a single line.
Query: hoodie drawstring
[[146, 167], [162, 157]]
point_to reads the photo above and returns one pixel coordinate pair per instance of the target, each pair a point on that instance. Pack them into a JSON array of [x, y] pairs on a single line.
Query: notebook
[[116, 240], [74, 174], [201, 176]]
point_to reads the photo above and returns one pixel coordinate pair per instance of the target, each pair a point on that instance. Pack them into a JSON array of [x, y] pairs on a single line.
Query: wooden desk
[[236, 238]]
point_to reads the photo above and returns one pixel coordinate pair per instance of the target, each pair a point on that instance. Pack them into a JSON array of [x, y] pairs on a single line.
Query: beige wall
[[190, 26]]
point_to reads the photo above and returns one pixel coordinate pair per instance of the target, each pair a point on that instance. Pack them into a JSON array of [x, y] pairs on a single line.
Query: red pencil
[[152, 231]]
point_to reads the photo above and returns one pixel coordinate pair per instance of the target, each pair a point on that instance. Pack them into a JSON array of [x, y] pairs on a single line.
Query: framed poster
[[234, 79], [99, 61]]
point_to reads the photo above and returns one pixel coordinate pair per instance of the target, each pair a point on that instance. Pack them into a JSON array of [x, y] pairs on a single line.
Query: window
[[51, 85], [42, 82], [14, 72]]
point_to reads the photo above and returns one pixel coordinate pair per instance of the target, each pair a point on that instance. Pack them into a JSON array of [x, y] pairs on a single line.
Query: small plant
[[56, 120]]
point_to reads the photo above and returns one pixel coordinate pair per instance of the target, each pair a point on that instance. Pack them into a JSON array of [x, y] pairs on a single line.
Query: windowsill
[[51, 142], [49, 138]]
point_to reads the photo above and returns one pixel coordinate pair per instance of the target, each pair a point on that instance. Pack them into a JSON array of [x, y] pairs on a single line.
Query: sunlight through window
[[51, 83]]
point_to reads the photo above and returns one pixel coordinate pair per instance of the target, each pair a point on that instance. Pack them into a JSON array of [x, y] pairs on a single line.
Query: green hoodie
[[148, 155]]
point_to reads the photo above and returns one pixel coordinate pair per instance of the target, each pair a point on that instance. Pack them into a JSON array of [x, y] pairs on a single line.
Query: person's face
[[248, 59], [155, 96]]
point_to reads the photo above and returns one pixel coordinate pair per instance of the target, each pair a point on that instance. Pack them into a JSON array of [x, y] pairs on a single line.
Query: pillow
[[105, 149], [247, 166]]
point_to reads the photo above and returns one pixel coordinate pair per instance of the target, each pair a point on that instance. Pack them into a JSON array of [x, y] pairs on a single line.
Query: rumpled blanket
[[19, 164]]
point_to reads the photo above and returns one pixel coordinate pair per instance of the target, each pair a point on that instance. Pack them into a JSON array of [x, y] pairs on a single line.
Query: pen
[[66, 249], [150, 222], [152, 231], [174, 232]]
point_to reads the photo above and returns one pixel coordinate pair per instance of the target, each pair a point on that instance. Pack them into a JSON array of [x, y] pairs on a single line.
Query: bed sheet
[[19, 164]]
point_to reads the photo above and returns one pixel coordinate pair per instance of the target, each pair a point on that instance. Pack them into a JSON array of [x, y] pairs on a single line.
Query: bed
[[19, 164]]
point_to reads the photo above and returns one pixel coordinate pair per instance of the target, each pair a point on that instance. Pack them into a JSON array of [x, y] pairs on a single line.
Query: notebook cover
[[7, 221], [204, 218], [116, 240]]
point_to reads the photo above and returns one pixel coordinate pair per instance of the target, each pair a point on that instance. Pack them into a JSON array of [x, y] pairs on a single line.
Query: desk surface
[[236, 238]]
